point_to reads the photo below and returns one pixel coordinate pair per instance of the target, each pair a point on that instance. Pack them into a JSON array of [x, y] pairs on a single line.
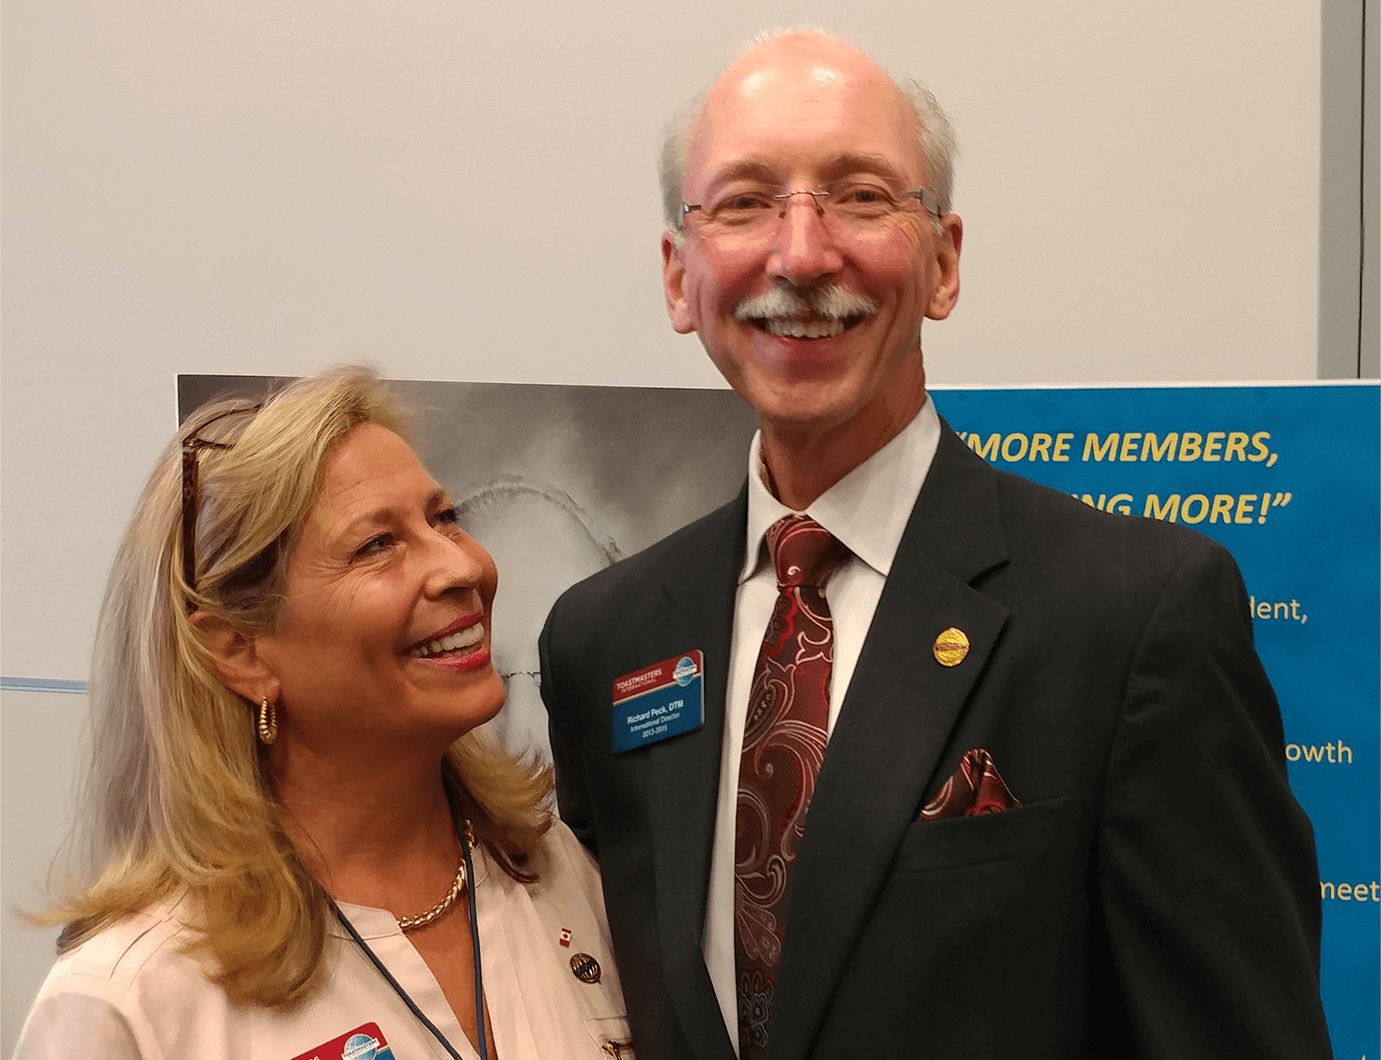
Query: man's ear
[[236, 659], [673, 279], [949, 242]]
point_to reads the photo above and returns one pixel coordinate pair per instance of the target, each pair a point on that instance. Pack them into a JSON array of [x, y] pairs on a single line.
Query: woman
[[298, 847]]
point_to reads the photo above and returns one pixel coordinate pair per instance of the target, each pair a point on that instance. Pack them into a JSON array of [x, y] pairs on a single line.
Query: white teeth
[[797, 329], [466, 638]]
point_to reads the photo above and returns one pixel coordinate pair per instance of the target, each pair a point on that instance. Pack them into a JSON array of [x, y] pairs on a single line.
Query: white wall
[[38, 740], [467, 191]]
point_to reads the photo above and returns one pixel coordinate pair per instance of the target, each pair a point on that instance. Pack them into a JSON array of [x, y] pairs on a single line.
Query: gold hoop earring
[[268, 721]]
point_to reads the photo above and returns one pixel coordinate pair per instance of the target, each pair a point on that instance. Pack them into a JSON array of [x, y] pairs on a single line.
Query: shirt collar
[[867, 509]]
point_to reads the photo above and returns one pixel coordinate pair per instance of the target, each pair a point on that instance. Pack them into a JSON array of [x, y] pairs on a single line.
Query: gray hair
[[933, 129]]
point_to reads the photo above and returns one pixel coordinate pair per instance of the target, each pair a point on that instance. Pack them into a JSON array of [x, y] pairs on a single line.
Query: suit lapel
[[895, 723], [685, 775]]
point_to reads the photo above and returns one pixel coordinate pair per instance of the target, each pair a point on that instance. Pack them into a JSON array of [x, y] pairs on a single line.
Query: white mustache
[[829, 303]]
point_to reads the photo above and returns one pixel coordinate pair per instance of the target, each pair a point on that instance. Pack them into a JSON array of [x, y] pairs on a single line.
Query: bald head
[[815, 253], [805, 56]]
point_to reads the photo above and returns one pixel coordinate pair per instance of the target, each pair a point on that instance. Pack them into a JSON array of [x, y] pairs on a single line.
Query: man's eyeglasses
[[192, 446], [853, 205]]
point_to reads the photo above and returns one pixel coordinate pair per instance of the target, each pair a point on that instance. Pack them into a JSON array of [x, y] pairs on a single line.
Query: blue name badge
[[659, 701]]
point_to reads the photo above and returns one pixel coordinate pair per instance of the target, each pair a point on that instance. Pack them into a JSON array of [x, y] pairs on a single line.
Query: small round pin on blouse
[[585, 967]]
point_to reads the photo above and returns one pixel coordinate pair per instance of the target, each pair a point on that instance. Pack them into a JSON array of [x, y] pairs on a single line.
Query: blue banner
[[1288, 478]]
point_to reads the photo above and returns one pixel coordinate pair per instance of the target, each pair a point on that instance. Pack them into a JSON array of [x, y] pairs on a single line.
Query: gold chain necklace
[[410, 923]]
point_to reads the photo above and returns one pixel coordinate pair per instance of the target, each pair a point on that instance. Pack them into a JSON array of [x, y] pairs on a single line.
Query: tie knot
[[803, 552]]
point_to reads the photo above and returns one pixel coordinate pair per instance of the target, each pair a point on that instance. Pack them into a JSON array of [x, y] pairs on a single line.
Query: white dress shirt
[[128, 993], [867, 510]]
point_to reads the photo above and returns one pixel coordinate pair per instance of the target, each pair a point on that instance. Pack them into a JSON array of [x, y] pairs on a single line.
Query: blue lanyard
[[474, 945]]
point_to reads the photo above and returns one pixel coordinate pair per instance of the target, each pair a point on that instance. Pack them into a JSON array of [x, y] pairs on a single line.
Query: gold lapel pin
[[951, 647], [585, 967]]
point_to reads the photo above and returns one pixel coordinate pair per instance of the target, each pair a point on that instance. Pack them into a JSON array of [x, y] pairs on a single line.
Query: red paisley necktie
[[783, 746]]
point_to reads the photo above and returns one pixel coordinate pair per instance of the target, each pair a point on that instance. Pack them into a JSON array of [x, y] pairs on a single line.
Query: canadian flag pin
[[565, 936]]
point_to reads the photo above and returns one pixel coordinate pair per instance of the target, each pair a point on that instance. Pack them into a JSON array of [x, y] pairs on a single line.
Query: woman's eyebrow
[[371, 519], [389, 514]]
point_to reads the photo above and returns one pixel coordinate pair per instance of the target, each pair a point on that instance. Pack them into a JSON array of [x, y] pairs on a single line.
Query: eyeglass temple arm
[[190, 448], [189, 493], [927, 198]]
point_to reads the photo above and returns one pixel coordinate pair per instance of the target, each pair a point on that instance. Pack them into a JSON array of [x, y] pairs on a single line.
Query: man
[[1036, 801]]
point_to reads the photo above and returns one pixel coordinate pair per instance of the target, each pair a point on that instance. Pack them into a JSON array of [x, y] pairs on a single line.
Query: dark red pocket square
[[975, 787]]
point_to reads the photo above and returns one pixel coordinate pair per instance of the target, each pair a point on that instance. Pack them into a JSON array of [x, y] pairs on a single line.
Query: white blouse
[[128, 994]]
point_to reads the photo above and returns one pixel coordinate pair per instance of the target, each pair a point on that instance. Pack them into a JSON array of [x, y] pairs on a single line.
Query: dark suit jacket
[[1156, 893]]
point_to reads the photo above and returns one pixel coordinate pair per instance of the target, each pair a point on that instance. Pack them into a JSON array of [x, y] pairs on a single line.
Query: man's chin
[[802, 409]]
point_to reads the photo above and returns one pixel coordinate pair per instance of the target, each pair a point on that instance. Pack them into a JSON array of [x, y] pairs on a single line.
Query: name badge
[[659, 702], [363, 1043]]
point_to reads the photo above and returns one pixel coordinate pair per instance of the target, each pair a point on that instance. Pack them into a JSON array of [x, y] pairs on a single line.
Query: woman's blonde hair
[[176, 798]]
